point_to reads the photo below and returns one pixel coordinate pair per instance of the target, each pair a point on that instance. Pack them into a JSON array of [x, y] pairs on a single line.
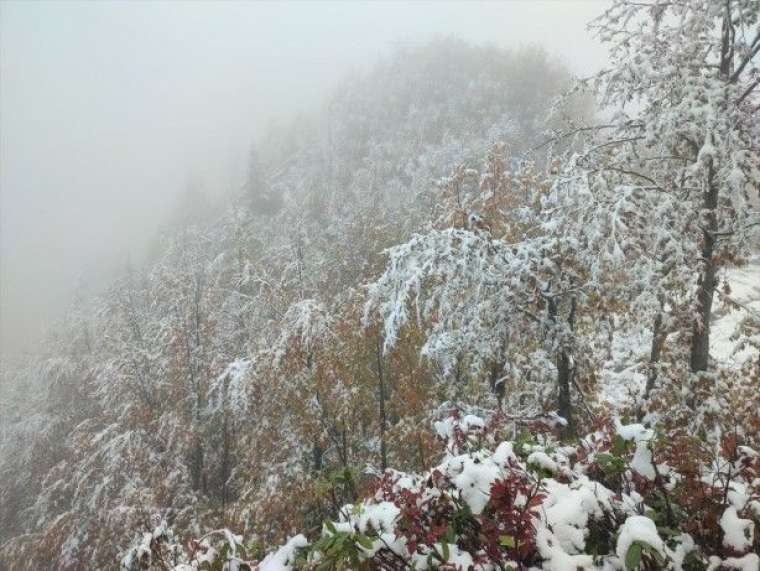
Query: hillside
[[476, 315], [165, 386]]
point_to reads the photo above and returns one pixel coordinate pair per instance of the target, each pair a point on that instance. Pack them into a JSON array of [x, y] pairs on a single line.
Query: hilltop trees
[[233, 382], [683, 86], [677, 165], [494, 286]]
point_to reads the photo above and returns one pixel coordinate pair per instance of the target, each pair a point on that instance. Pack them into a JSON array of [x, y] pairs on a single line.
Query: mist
[[109, 110]]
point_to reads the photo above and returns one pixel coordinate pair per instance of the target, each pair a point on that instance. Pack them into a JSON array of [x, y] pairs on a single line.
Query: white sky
[[108, 109]]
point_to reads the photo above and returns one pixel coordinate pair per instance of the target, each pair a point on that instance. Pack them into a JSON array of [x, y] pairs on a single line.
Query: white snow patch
[[738, 533], [284, 558], [641, 529]]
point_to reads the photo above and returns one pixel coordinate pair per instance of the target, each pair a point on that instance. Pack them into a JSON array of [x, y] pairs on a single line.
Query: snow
[[638, 529], [378, 517], [284, 557], [229, 388], [473, 475], [620, 385], [567, 511], [642, 460], [237, 313], [542, 460], [636, 432], [504, 454], [308, 322], [557, 559], [749, 562], [446, 428], [142, 550], [684, 545], [457, 560], [642, 457], [738, 533], [725, 346]]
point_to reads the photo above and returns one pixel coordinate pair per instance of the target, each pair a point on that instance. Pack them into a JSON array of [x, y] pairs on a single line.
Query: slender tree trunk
[[345, 457], [564, 403], [381, 406], [610, 336], [316, 455], [658, 340], [497, 383], [225, 464], [700, 340], [197, 464], [245, 289], [199, 478], [317, 452]]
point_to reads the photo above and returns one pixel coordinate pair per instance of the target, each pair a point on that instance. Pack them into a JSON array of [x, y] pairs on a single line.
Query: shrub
[[624, 497]]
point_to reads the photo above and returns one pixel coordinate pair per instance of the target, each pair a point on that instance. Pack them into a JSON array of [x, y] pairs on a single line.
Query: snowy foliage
[[204, 385], [535, 504], [418, 245]]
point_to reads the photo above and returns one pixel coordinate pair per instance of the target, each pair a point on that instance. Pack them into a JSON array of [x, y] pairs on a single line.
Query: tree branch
[[754, 49], [748, 91]]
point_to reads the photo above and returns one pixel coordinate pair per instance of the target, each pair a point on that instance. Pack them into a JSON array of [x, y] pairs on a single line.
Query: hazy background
[[109, 109]]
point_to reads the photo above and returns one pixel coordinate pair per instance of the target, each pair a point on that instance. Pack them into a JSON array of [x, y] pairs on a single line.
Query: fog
[[109, 110]]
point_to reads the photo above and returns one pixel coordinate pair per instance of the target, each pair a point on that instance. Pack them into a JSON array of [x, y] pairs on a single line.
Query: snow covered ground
[[623, 376], [726, 345]]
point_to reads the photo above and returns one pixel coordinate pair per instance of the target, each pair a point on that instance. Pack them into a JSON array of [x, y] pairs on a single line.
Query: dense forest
[[475, 314]]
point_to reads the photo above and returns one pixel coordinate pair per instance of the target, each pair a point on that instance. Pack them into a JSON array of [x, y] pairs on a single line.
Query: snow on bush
[[526, 503]]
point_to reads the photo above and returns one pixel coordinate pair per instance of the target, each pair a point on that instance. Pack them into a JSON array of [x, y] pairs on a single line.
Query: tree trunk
[[381, 407], [658, 340], [316, 453], [700, 340], [564, 403], [197, 464], [224, 468], [497, 383]]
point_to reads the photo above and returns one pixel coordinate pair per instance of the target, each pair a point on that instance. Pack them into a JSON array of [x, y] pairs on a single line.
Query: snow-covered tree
[[681, 141], [492, 282]]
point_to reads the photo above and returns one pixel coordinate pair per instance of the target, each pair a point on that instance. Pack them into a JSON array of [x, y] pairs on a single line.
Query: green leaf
[[656, 554], [633, 557], [330, 527], [364, 541], [445, 548], [507, 541], [669, 531], [340, 539], [618, 445], [693, 561]]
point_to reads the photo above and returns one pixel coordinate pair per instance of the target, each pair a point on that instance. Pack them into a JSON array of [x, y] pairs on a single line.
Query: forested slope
[[227, 379], [451, 253]]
